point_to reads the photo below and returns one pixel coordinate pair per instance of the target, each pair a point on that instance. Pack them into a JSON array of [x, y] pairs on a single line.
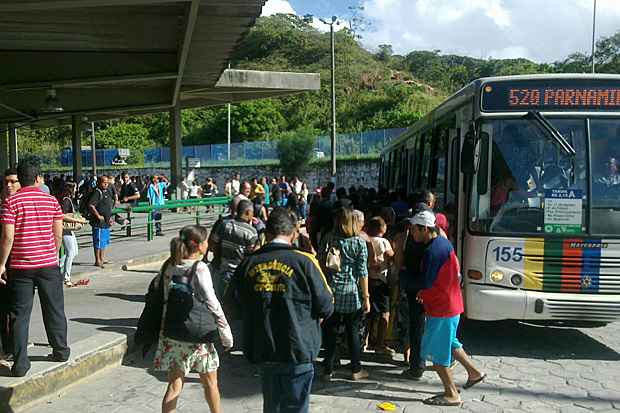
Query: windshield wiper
[[551, 132]]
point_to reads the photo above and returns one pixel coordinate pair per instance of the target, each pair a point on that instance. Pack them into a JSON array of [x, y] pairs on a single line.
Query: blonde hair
[[346, 224]]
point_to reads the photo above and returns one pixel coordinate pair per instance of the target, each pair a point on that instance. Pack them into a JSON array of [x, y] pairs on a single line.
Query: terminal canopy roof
[[110, 58]]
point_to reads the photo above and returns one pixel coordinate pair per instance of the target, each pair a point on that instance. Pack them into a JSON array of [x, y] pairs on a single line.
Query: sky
[[539, 30]]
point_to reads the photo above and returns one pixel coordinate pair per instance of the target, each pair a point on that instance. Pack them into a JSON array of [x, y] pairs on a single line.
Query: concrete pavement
[[530, 369]]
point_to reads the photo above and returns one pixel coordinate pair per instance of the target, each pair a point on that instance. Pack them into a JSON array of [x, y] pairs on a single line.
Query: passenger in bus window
[[519, 156]]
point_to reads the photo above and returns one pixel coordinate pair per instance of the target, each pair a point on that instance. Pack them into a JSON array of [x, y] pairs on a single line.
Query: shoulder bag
[[333, 260], [72, 226]]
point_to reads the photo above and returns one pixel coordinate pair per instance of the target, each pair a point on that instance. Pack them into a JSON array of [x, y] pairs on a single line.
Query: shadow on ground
[[516, 339], [134, 298]]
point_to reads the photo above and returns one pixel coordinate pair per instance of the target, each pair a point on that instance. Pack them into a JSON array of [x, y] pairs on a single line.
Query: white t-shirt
[[235, 186], [380, 246], [193, 190]]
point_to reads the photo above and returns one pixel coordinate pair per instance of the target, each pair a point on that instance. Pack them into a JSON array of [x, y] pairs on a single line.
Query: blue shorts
[[440, 339], [101, 238]]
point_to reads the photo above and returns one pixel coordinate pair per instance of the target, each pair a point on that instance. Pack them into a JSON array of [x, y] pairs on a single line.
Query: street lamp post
[[593, 37], [331, 23]]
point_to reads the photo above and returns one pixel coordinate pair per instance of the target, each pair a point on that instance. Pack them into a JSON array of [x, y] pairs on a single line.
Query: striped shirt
[[32, 212]]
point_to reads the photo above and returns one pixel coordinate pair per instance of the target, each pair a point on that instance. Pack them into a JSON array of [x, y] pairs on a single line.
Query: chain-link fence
[[347, 144]]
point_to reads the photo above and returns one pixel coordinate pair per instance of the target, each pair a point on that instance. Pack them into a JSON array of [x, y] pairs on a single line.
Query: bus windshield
[[528, 183]]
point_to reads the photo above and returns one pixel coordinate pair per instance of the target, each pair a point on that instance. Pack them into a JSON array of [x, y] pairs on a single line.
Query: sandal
[[472, 383], [440, 400]]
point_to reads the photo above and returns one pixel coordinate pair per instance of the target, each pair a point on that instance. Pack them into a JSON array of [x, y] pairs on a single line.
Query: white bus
[[527, 170]]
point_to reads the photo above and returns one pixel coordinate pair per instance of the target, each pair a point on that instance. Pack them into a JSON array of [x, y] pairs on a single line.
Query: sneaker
[[360, 375], [413, 374], [68, 282]]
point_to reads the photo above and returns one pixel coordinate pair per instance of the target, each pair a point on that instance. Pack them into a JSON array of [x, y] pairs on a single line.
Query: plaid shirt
[[354, 265]]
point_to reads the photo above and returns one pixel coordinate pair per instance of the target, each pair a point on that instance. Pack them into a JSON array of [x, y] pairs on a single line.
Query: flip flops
[[472, 383], [440, 400]]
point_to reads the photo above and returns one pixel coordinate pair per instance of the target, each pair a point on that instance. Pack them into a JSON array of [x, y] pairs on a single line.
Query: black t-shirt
[[104, 203], [68, 207], [412, 278], [128, 190]]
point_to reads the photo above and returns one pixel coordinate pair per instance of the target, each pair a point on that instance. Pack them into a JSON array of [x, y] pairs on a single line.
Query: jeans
[[6, 339], [48, 282], [156, 215], [351, 322], [286, 387], [416, 329], [70, 244]]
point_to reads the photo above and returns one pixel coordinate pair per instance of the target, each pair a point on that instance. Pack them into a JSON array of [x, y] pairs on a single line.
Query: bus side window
[[438, 164], [426, 160], [402, 179], [417, 181]]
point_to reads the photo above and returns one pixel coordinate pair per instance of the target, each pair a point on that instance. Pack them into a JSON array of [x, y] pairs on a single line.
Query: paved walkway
[[113, 299], [530, 368]]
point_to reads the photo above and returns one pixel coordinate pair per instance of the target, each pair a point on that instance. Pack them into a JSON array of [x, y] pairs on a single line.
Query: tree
[[124, 135], [295, 150], [385, 52]]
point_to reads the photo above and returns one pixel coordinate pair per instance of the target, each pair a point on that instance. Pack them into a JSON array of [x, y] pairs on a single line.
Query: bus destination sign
[[555, 95]]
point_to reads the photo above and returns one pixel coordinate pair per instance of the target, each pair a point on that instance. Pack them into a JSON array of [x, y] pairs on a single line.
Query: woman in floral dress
[[179, 358]]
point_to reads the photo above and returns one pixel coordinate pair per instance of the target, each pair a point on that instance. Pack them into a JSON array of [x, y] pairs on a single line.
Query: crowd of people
[[370, 271], [345, 271]]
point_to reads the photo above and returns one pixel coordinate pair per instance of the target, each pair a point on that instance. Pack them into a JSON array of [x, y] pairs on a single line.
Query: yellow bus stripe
[[534, 262]]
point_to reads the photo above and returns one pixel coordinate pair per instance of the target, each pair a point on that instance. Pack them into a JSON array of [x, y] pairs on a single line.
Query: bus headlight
[[497, 276], [516, 279]]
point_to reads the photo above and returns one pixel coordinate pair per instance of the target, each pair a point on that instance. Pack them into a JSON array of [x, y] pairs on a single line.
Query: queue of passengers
[[345, 269]]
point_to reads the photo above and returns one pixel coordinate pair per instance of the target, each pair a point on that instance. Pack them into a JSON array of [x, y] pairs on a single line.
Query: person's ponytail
[[187, 242], [178, 250]]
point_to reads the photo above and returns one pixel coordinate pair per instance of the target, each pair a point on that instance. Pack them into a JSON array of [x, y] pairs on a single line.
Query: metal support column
[[4, 148], [13, 159], [93, 148], [176, 150], [76, 145]]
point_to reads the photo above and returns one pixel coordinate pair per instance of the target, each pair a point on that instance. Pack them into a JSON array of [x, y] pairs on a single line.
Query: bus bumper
[[485, 302]]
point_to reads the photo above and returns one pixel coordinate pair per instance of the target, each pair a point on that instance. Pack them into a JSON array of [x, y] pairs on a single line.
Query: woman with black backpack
[[186, 277]]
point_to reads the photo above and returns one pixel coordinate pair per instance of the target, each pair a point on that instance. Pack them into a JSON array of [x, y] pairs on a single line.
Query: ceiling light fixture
[[52, 104]]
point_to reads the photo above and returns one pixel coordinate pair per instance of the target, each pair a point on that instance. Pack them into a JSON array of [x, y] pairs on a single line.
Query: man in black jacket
[[283, 296]]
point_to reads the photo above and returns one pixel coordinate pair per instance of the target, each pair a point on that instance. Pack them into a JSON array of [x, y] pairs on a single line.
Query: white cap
[[424, 219]]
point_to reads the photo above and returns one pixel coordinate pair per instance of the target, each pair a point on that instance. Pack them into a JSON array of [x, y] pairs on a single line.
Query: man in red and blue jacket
[[443, 305]]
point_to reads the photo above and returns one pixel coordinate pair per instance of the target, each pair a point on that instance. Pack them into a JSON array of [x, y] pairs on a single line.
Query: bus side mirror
[[470, 154]]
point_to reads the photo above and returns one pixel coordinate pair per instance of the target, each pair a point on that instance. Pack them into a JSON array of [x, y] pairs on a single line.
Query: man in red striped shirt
[[31, 234]]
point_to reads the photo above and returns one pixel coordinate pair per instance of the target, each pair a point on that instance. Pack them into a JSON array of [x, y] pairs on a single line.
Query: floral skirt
[[199, 358]]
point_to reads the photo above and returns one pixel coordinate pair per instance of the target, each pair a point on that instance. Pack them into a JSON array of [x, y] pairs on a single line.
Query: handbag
[[188, 318], [333, 260], [72, 226]]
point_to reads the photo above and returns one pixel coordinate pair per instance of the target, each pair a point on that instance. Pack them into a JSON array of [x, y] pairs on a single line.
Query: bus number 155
[[507, 254]]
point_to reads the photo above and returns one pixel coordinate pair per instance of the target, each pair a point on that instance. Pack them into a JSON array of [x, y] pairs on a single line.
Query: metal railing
[[176, 214]]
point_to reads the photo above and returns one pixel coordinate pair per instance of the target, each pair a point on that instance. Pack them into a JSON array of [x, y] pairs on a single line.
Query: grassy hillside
[[374, 90]]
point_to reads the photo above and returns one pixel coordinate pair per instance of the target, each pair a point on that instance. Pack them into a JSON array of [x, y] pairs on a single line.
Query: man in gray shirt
[[233, 240]]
